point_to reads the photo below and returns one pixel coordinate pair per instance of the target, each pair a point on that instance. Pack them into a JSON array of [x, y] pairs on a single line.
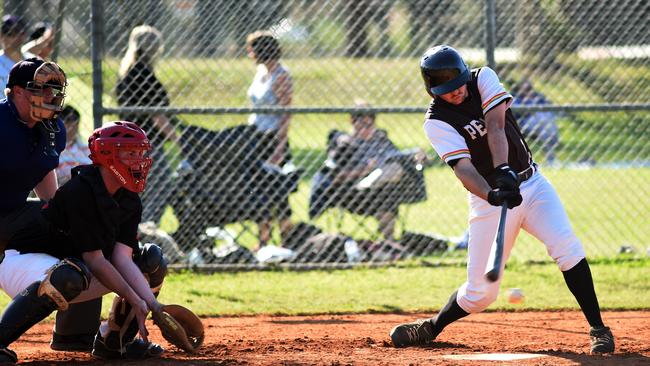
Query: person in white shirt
[[271, 87], [12, 37], [76, 150]]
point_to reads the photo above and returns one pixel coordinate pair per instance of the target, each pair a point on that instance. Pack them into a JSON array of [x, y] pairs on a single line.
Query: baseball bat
[[496, 254]]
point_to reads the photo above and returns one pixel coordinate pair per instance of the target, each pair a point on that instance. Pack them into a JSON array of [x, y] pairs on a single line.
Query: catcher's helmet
[[443, 70], [123, 148]]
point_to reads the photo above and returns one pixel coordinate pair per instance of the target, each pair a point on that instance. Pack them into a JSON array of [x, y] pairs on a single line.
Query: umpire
[[31, 138]]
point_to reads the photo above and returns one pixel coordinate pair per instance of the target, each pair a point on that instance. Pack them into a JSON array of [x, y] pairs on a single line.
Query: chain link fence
[[580, 71]]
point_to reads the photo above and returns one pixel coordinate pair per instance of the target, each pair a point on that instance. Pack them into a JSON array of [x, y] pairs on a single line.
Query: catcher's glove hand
[[180, 327]]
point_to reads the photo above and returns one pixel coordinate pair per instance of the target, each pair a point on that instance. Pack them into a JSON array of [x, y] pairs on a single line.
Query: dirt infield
[[363, 340]]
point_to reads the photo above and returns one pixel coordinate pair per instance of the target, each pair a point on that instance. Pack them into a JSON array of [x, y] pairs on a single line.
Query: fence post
[[490, 33], [58, 30], [96, 49]]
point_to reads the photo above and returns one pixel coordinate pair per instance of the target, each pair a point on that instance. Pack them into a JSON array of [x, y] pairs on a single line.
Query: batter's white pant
[[17, 271], [541, 214]]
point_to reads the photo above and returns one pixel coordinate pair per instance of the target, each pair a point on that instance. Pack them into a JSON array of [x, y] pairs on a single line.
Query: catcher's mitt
[[180, 327]]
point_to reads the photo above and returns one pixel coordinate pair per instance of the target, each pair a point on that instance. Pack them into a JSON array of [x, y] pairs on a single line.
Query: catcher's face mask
[[47, 91], [123, 148]]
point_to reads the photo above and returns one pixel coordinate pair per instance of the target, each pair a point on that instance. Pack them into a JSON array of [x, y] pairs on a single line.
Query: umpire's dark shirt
[[23, 161], [83, 217]]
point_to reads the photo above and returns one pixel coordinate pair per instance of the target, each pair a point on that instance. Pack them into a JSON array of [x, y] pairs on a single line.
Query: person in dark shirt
[[31, 137], [138, 86], [84, 245]]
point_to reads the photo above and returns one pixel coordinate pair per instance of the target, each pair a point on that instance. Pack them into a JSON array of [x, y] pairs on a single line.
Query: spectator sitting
[[41, 41], [76, 151], [362, 172], [537, 126], [12, 36]]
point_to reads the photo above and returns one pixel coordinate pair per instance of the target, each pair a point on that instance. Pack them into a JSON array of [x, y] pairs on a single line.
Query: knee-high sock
[[449, 314], [579, 281]]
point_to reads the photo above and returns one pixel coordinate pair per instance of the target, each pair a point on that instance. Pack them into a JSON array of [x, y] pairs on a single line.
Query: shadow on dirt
[[627, 359], [314, 321], [148, 362]]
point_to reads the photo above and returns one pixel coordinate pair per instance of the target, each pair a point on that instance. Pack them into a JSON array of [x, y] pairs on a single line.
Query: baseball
[[515, 296]]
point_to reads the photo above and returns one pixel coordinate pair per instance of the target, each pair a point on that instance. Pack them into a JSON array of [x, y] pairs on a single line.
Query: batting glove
[[497, 197], [506, 177]]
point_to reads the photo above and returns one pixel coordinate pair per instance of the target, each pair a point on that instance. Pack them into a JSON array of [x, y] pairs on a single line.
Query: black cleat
[[7, 356], [602, 340], [136, 349], [413, 334], [72, 343]]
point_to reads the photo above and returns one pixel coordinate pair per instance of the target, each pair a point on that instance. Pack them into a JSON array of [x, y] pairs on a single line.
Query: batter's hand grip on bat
[[496, 253]]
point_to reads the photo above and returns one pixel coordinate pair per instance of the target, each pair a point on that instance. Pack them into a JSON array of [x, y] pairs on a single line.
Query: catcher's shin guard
[[122, 323], [76, 327], [63, 282]]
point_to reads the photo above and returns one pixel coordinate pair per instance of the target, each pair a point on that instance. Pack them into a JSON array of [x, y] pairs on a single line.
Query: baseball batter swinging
[[89, 227], [472, 129]]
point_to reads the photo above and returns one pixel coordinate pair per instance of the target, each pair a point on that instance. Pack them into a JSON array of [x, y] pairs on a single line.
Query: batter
[[472, 129]]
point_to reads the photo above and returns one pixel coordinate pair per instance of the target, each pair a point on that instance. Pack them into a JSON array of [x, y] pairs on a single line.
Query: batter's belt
[[525, 174]]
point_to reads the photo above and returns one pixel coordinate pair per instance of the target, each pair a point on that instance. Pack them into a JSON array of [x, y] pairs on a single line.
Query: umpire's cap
[[443, 70], [23, 72]]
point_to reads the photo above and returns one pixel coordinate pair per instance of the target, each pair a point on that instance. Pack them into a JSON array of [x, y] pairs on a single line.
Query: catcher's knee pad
[[475, 300], [64, 281], [153, 264]]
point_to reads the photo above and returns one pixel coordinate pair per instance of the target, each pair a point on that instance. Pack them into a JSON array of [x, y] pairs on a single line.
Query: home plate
[[494, 356]]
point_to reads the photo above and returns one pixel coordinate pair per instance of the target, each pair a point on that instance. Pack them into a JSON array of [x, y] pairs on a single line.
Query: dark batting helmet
[[122, 147], [443, 70]]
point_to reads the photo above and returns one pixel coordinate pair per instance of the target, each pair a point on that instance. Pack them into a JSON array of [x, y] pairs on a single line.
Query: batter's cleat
[[602, 340], [413, 334], [72, 343], [136, 349], [7, 356]]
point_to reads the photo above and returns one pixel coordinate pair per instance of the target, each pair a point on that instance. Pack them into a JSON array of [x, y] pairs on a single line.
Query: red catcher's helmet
[[123, 148]]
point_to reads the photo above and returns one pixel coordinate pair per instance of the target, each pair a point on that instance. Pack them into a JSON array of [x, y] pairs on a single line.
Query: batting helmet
[[443, 70], [123, 148]]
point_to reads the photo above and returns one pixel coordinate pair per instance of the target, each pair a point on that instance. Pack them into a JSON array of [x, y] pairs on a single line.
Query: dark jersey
[[459, 131], [141, 88], [25, 156], [83, 217]]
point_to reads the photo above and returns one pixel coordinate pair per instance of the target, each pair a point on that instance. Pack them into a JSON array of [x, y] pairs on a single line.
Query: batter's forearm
[[498, 147], [471, 179], [495, 122]]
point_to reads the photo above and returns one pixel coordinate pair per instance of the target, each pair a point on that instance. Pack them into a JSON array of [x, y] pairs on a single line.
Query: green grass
[[603, 205], [620, 285]]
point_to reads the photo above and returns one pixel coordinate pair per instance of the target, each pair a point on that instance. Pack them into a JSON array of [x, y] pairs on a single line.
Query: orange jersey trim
[[492, 99], [455, 153]]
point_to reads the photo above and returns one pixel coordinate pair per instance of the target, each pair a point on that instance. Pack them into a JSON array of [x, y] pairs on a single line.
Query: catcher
[[83, 245]]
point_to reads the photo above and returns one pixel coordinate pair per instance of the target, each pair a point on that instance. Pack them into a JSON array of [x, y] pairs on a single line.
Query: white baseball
[[515, 296]]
